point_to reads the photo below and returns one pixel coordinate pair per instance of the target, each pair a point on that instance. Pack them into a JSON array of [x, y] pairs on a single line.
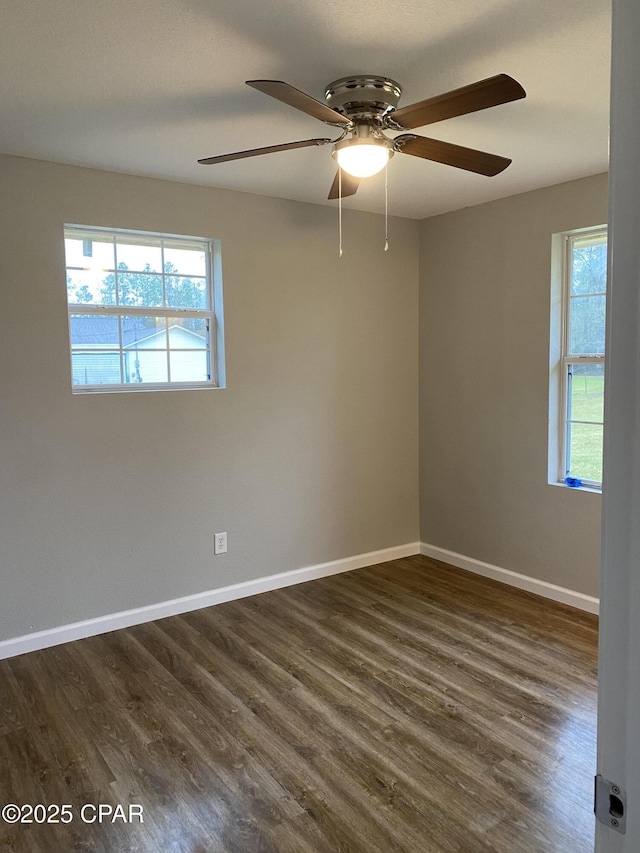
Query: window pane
[[185, 261], [189, 365], [139, 289], [89, 251], [95, 368], [91, 330], [91, 287], [144, 342], [185, 292], [586, 325], [188, 333], [589, 265], [146, 332], [139, 254], [586, 396], [584, 454], [189, 342], [145, 366]]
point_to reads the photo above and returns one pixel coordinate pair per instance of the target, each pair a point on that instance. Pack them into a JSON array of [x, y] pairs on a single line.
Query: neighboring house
[[148, 352]]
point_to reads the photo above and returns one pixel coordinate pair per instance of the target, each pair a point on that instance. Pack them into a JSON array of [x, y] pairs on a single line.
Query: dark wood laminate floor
[[405, 708]]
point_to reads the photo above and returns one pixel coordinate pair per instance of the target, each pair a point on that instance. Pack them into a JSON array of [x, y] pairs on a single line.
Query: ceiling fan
[[365, 106]]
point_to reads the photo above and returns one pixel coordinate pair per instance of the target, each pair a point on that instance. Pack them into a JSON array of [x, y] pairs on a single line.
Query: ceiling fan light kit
[[365, 154]]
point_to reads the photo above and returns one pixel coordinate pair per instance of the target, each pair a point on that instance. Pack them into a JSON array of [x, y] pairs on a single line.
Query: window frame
[[567, 360], [213, 314]]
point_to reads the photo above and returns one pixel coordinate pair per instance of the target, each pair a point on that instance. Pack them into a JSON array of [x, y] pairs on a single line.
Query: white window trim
[[214, 315], [560, 361]]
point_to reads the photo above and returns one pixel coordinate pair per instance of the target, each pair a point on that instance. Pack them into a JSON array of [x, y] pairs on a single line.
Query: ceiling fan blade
[[282, 91], [451, 155], [255, 152], [349, 185], [477, 96]]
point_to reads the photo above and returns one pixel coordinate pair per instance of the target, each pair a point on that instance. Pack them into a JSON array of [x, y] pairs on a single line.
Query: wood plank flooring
[[409, 707]]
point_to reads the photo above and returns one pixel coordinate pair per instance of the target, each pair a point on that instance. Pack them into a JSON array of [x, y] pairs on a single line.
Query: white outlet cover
[[220, 543]]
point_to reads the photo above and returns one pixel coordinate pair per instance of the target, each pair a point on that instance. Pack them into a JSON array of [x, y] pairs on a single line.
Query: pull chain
[[339, 212], [386, 209]]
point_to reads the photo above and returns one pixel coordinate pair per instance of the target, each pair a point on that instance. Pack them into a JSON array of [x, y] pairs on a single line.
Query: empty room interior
[[301, 446]]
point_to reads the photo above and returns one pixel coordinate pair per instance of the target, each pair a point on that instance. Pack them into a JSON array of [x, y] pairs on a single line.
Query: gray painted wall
[[310, 454], [484, 388]]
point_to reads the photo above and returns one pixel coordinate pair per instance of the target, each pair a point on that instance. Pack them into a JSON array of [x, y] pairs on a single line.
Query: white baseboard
[[539, 587], [126, 618], [138, 615]]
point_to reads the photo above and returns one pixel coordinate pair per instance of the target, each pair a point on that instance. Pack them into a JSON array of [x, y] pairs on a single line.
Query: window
[[145, 311], [581, 357]]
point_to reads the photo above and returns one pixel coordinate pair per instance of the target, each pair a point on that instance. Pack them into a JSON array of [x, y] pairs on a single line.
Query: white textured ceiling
[[149, 86]]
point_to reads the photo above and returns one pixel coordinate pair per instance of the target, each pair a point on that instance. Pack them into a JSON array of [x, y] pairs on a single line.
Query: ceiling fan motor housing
[[364, 97]]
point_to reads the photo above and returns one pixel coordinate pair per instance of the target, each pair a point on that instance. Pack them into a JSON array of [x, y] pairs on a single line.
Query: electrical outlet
[[220, 545]]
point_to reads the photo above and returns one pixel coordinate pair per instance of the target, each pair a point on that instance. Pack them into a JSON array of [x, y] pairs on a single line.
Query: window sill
[[594, 490], [133, 388]]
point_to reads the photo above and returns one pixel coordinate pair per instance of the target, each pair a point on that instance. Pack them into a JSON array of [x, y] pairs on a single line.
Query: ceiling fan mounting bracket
[[400, 141], [366, 97]]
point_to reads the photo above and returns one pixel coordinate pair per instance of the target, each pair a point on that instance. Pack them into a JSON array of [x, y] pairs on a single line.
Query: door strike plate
[[610, 804]]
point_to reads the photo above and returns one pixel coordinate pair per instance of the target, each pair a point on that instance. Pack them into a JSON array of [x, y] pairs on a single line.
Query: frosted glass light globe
[[362, 159]]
